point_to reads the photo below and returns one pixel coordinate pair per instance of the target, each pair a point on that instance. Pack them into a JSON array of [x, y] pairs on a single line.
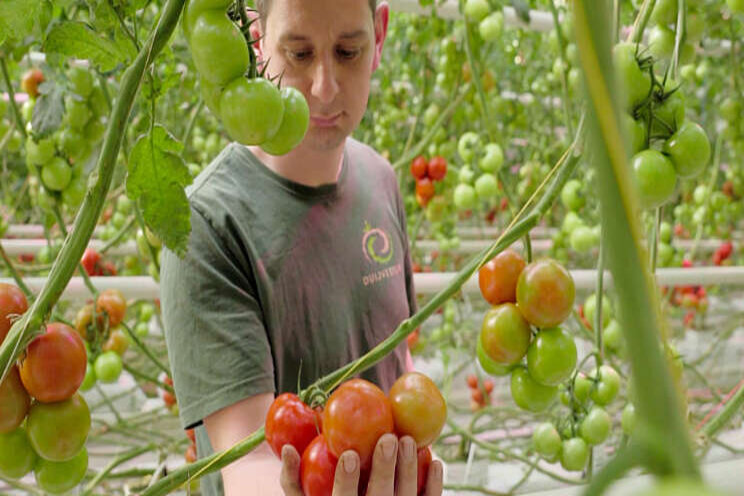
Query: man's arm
[[258, 472]]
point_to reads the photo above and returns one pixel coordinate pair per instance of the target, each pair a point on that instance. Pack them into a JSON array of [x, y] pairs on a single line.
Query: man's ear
[[382, 15], [256, 33]]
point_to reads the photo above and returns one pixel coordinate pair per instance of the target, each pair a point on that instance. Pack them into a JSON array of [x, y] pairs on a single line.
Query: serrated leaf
[[104, 16], [523, 10], [76, 39], [126, 45], [49, 109], [17, 17], [157, 178]]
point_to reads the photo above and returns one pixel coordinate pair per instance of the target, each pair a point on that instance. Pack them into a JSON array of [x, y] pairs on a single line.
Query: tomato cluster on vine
[[480, 392], [426, 173], [354, 417]]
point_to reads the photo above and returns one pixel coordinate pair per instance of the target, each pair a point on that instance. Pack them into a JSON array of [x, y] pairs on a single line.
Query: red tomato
[[419, 167], [472, 381], [545, 293], [55, 362], [190, 454], [191, 435], [437, 168], [355, 417], [425, 188], [317, 468], [14, 402], [413, 339], [112, 302], [488, 385], [168, 398], [30, 82], [476, 395], [419, 410], [290, 421], [90, 261], [12, 302], [424, 460], [498, 277], [108, 269]]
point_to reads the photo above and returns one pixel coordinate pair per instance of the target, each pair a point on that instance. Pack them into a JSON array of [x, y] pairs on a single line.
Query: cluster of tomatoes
[[476, 179], [426, 173], [97, 325], [540, 294], [723, 253], [94, 265], [58, 159], [480, 392], [665, 145], [355, 416], [44, 422], [277, 120]]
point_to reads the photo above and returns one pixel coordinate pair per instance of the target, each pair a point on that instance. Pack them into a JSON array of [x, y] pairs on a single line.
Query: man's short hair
[[262, 7]]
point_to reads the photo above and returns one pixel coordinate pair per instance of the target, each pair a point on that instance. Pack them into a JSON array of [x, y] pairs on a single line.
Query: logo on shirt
[[376, 245]]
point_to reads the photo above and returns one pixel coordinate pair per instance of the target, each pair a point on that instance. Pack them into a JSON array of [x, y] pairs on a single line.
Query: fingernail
[[350, 464], [409, 448], [437, 469], [388, 448]]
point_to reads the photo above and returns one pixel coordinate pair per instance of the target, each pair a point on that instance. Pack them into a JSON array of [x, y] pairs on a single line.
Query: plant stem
[[14, 273], [123, 458], [720, 419], [644, 15], [11, 96], [63, 229], [142, 346], [598, 327]]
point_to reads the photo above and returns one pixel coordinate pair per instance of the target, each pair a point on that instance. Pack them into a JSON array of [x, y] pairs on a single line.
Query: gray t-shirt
[[283, 281]]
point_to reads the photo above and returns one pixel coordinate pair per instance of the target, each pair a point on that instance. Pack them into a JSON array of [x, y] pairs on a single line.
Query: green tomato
[[546, 440], [636, 129], [466, 175], [665, 232], [590, 309], [700, 194], [71, 142], [468, 146], [477, 9], [486, 186], [613, 337], [636, 82], [505, 334], [94, 130], [530, 395], [431, 114], [294, 123], [90, 378], [142, 330], [108, 366], [81, 81], [582, 388], [572, 195], [628, 419], [574, 454], [655, 177], [670, 113], [56, 174], [489, 365], [98, 103], [551, 357], [595, 427], [689, 149], [77, 113], [261, 123], [58, 430], [39, 153], [27, 110], [607, 387], [60, 477], [661, 42], [464, 197], [730, 109], [665, 12], [220, 52], [17, 456], [493, 158], [570, 222], [492, 26], [583, 239]]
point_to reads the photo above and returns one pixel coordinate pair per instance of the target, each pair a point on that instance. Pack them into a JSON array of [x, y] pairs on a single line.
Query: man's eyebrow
[[359, 33], [352, 35], [292, 37]]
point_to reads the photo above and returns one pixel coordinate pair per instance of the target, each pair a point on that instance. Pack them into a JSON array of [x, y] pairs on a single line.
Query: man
[[296, 264]]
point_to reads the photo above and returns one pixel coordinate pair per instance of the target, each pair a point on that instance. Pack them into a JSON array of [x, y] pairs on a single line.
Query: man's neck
[[308, 167]]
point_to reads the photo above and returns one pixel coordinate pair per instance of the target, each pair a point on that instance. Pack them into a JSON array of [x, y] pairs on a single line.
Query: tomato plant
[[419, 410], [290, 421], [356, 415], [54, 366]]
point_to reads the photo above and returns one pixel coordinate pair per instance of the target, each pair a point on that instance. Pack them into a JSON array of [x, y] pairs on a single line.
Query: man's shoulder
[[367, 157]]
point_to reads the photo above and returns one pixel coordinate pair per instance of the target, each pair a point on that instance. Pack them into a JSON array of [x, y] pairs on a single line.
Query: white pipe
[[15, 247], [135, 287], [34, 230]]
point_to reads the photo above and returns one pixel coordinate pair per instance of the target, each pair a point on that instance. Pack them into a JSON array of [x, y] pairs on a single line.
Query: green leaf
[[104, 17], [49, 109], [17, 17], [76, 39], [157, 178], [522, 9]]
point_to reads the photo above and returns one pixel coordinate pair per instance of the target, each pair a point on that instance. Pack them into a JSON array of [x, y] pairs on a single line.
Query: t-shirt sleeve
[[218, 347]]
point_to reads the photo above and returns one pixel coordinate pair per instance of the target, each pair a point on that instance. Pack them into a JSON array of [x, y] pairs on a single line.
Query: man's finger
[[346, 480], [406, 468], [382, 478], [290, 478], [434, 479]]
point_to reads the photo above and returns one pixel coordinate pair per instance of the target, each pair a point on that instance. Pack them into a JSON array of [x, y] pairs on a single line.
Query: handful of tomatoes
[[355, 416]]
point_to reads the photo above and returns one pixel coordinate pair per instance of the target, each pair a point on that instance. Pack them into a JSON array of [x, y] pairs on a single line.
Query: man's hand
[[390, 458]]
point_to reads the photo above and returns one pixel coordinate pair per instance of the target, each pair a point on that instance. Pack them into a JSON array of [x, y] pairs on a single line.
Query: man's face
[[328, 50]]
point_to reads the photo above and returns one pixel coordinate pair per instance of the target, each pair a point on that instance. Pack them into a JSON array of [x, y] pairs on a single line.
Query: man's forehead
[[301, 19]]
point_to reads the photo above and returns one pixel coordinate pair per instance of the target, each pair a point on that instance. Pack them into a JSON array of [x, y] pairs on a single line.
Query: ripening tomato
[[54, 366], [355, 417], [290, 421], [425, 189], [113, 303], [58, 430], [423, 456], [117, 342], [419, 410], [17, 457], [505, 334], [14, 401], [317, 468], [30, 82], [90, 261], [498, 277], [419, 167], [12, 302], [545, 293], [437, 168]]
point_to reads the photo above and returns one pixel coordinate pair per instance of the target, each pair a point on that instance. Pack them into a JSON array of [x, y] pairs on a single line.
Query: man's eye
[[347, 54], [300, 54]]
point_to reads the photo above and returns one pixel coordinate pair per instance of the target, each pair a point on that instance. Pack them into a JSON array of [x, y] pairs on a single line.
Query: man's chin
[[325, 139]]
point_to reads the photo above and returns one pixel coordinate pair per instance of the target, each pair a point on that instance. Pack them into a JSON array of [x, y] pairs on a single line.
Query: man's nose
[[325, 84]]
